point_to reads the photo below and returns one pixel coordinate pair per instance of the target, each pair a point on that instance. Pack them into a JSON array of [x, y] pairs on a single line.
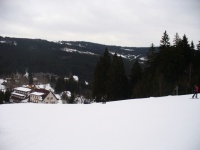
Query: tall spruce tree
[[186, 51], [101, 77], [135, 78], [30, 79], [7, 96], [150, 56], [1, 97], [117, 85], [176, 40], [164, 42], [192, 45], [163, 64], [72, 85], [60, 85], [164, 50], [198, 46], [188, 56]]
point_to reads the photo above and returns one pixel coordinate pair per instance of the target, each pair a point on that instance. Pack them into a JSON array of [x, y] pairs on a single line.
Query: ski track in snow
[[165, 123]]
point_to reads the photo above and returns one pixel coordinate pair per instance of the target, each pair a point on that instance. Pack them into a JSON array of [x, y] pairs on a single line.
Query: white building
[[43, 96], [37, 97], [19, 94], [50, 99]]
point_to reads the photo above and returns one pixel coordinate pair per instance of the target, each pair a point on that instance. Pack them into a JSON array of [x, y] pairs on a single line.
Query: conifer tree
[[150, 56], [135, 76], [118, 83], [192, 45], [7, 96], [1, 97], [101, 77], [162, 57], [188, 59], [60, 85], [186, 50], [30, 77], [164, 42], [72, 85], [185, 43], [198, 46], [52, 81], [176, 40]]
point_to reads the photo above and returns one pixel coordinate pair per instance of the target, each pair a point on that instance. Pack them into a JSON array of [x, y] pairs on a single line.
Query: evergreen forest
[[171, 69]]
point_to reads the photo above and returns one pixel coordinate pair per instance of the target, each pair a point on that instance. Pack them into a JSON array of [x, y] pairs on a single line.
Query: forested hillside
[[61, 58]]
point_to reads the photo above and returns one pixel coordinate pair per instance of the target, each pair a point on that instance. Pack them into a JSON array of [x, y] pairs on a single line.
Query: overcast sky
[[113, 22]]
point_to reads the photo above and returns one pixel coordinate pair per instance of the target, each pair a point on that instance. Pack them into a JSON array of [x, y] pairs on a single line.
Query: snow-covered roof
[[45, 86], [37, 93], [14, 93], [23, 89], [57, 96], [75, 78], [2, 80], [143, 58]]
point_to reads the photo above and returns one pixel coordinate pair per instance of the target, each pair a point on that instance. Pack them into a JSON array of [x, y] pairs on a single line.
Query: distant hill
[[61, 58]]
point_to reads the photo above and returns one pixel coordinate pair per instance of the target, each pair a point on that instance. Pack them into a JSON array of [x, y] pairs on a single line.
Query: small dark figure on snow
[[196, 90]]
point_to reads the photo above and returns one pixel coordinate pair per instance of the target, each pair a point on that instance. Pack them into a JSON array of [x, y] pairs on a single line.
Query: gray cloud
[[113, 22]]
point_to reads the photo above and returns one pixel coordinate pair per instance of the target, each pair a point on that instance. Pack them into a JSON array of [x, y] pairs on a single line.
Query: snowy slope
[[167, 123]]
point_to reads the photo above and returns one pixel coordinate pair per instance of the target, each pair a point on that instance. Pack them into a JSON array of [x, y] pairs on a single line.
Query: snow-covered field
[[167, 123]]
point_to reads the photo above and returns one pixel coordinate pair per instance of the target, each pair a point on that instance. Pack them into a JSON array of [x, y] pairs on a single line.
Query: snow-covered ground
[[127, 56], [167, 123], [77, 51]]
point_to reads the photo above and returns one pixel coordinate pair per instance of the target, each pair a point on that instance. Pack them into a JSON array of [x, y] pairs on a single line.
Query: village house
[[32, 94], [19, 94], [43, 96]]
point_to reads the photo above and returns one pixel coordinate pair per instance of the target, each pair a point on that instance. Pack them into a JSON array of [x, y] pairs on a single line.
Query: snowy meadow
[[164, 123]]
